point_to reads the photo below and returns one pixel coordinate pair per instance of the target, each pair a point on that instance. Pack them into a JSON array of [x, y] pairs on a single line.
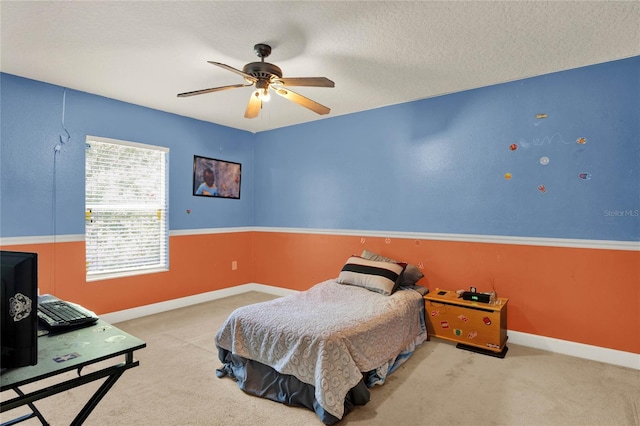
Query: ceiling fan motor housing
[[262, 70]]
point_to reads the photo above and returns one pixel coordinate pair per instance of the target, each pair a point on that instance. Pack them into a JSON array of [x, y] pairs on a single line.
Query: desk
[[73, 350]]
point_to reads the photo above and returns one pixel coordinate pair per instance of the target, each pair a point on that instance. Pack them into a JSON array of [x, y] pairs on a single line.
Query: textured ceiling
[[377, 53]]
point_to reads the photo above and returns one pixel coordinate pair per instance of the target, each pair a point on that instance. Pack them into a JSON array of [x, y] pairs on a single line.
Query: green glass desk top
[[66, 351]]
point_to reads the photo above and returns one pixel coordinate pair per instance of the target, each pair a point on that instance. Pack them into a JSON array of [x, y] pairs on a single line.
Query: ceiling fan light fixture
[[262, 90], [265, 96]]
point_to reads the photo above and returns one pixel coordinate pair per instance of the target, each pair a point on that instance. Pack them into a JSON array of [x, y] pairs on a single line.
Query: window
[[126, 231]]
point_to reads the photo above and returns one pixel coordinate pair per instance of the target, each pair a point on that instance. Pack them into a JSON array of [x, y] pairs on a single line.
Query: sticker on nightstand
[[457, 332], [472, 334], [435, 313], [486, 320], [493, 346], [444, 324], [463, 318]]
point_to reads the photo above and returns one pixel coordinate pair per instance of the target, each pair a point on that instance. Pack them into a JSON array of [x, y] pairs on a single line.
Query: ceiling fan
[[265, 76]]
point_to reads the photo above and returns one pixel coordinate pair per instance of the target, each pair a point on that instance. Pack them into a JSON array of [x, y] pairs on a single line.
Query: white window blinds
[[126, 230]]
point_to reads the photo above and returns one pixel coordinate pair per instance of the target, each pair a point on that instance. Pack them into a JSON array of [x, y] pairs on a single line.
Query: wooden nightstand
[[475, 326]]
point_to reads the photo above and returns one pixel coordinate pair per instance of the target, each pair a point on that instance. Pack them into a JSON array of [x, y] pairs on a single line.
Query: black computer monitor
[[19, 306]]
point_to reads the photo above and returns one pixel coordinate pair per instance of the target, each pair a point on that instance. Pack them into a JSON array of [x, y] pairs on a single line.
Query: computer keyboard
[[57, 314]]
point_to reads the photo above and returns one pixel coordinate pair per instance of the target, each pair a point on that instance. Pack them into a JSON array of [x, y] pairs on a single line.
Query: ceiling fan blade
[[247, 77], [305, 81], [303, 101], [213, 89], [253, 108]]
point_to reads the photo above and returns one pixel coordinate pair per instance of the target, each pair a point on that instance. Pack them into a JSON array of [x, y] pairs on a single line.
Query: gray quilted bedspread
[[326, 336]]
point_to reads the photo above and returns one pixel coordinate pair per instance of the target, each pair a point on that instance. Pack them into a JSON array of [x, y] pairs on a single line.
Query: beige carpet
[[439, 385]]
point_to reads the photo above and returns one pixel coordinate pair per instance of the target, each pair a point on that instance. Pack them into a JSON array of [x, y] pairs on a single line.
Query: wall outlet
[[234, 265]]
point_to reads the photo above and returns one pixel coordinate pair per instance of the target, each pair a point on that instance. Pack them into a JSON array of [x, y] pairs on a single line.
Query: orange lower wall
[[588, 296], [583, 295], [198, 264]]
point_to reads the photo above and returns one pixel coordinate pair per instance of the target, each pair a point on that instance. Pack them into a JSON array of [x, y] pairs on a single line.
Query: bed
[[323, 348]]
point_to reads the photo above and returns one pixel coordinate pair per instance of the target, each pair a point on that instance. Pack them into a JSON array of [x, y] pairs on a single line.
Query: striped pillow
[[373, 275], [410, 275]]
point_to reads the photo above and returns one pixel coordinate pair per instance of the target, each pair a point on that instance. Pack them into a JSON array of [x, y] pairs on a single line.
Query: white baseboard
[[579, 350], [156, 308]]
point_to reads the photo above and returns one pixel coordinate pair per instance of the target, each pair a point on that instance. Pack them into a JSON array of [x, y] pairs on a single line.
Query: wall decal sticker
[[554, 139], [550, 142]]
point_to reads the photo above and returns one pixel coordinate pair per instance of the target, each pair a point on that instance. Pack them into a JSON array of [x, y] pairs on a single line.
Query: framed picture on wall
[[216, 178]]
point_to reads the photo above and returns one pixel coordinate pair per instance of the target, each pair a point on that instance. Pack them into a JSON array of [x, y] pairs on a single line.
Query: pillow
[[411, 273], [380, 277]]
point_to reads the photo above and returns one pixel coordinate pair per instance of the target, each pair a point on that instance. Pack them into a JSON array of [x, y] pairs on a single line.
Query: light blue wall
[[435, 165], [33, 187], [438, 165]]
